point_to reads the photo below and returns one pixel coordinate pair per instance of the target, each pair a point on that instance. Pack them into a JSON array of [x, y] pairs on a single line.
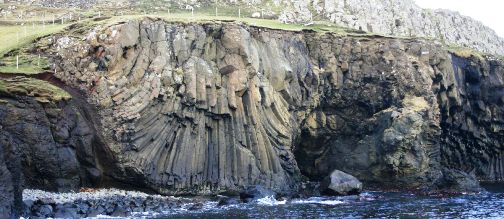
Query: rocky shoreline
[[102, 202], [116, 203]]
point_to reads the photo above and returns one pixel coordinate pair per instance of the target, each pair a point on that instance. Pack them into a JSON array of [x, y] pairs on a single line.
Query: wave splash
[[270, 201], [318, 200]]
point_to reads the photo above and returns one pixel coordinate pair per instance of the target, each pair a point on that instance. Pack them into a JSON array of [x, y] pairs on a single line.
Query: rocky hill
[[401, 18], [395, 18]]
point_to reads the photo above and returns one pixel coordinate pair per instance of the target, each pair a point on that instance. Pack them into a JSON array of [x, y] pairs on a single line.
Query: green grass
[[9, 35], [28, 64], [16, 38], [465, 52], [319, 26], [41, 90]]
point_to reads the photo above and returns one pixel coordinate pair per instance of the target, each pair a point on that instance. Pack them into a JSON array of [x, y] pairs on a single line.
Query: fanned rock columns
[[204, 108], [199, 106]]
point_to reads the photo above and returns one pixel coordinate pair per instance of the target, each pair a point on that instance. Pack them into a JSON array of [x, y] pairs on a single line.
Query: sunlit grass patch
[[465, 52], [17, 36], [43, 91], [28, 64]]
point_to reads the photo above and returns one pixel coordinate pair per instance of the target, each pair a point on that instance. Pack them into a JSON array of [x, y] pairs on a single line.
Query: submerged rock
[[224, 200], [340, 183]]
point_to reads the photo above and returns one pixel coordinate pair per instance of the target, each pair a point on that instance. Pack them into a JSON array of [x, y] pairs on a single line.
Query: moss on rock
[[41, 90]]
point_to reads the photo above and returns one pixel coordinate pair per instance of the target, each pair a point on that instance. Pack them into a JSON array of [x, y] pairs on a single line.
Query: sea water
[[367, 205]]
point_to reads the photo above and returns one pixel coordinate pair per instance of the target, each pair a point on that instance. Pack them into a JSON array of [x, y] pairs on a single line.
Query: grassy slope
[[11, 44], [319, 26], [41, 90], [465, 52], [16, 37], [9, 35]]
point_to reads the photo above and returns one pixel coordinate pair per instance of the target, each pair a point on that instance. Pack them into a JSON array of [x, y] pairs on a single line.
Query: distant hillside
[[397, 18], [394, 17]]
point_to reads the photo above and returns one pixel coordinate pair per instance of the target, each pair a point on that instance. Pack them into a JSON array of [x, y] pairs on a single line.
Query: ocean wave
[[317, 200], [270, 201]]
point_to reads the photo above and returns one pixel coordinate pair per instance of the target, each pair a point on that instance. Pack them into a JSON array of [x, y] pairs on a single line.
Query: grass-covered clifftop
[[20, 54], [41, 90]]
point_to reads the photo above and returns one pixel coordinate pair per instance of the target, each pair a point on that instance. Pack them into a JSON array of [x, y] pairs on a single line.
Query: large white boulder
[[341, 183]]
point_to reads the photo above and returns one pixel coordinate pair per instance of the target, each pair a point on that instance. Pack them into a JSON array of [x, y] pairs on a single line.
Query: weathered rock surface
[[195, 108], [205, 108], [340, 183], [55, 144], [398, 18], [7, 203]]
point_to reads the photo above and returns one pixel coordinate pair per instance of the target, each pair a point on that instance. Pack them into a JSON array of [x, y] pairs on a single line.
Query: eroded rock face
[[49, 145], [204, 108], [7, 202], [472, 117]]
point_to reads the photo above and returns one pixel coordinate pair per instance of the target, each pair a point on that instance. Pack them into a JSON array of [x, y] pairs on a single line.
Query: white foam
[[270, 201], [318, 201], [61, 198]]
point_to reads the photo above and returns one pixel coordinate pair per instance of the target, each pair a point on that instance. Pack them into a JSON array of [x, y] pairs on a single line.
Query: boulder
[[341, 183]]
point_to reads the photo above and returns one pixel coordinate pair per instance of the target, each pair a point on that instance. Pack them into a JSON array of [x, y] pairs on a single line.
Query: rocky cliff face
[[7, 203], [196, 108], [205, 108], [399, 18], [45, 143], [472, 117], [54, 142]]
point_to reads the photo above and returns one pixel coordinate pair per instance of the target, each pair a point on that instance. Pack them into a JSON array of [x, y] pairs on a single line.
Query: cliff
[[209, 107], [204, 108], [399, 18]]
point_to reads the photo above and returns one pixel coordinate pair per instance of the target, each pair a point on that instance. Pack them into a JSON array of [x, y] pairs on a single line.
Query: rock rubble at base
[[105, 202], [61, 198]]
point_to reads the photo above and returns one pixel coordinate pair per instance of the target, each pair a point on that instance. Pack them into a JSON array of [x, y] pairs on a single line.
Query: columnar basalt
[[203, 108], [472, 117], [195, 108]]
